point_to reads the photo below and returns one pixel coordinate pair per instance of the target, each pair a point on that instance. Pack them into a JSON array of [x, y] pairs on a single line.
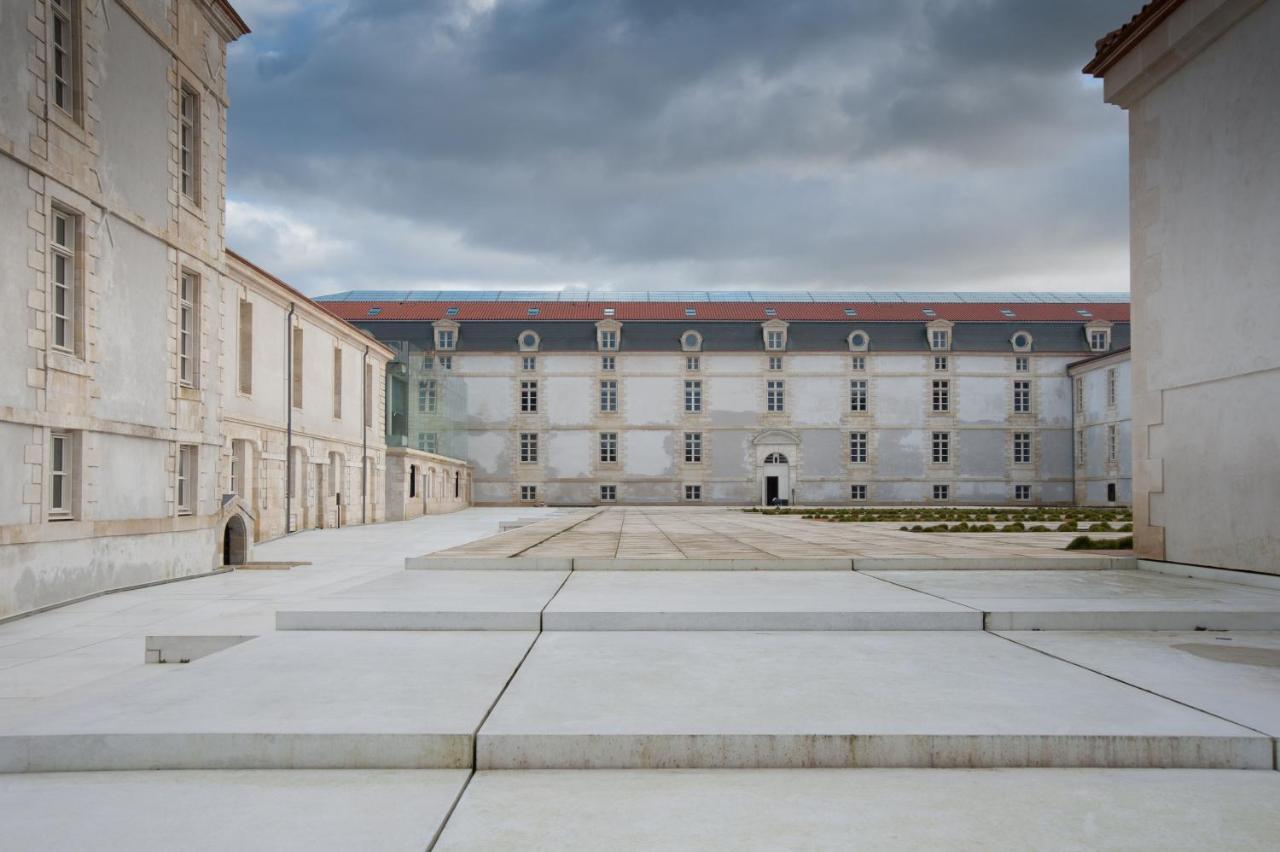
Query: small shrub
[[1068, 526]]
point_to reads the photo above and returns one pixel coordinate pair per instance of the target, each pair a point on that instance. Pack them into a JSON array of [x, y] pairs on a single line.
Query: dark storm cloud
[[659, 143]]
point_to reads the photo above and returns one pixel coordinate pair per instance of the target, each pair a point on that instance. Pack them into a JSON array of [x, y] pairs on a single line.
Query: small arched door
[[776, 479], [235, 541]]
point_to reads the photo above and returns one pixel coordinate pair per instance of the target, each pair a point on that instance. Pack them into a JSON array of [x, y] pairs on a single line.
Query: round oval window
[[859, 340], [529, 340], [1021, 341], [691, 340]]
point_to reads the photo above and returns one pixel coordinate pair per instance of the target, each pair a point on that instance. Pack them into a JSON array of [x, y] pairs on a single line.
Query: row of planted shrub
[[1017, 527], [978, 515]]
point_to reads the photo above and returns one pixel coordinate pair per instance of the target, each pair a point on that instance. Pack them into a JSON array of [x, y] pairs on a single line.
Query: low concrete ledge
[[1207, 619], [488, 563], [356, 619], [994, 563], [1202, 572], [754, 621], [184, 649], [841, 563], [104, 752], [806, 751]]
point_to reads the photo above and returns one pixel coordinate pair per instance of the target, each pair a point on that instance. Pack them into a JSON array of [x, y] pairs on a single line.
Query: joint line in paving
[[542, 612], [553, 535], [462, 791], [1135, 686], [923, 592]]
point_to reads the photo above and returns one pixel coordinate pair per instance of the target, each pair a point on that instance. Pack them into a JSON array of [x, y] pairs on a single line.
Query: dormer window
[[691, 341], [529, 341], [1021, 341], [859, 341], [1098, 333], [775, 335], [608, 333], [939, 335], [446, 332]]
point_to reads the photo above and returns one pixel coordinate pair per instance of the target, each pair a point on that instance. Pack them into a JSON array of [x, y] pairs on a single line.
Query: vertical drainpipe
[[288, 432], [364, 436]]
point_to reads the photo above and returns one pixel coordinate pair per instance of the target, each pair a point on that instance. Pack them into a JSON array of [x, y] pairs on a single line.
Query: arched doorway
[[776, 452], [777, 479], [235, 541]]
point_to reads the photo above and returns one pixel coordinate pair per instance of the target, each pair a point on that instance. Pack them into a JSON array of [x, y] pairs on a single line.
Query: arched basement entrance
[[235, 540], [776, 452]]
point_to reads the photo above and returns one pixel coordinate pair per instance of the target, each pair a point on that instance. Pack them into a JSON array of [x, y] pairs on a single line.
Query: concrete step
[[431, 600], [300, 700], [1099, 600], [747, 600], [750, 810], [833, 699]]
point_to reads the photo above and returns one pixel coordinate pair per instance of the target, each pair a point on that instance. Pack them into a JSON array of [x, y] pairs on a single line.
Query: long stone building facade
[[749, 398], [156, 391], [1199, 80]]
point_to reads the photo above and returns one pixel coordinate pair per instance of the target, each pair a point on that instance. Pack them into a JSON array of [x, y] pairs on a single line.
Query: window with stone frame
[[693, 493], [528, 447], [942, 492], [65, 256], [244, 347], [1022, 448], [64, 56], [62, 475], [608, 493], [609, 396], [1022, 492], [188, 328], [858, 491], [858, 447], [775, 396], [608, 363], [608, 447], [528, 493], [693, 447], [337, 381], [940, 447], [693, 396], [858, 395], [941, 396], [189, 142], [528, 397], [1112, 385], [187, 479], [1022, 397]]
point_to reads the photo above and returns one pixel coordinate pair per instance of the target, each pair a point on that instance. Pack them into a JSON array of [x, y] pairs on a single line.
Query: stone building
[[1199, 81], [1101, 422], [744, 398], [143, 434]]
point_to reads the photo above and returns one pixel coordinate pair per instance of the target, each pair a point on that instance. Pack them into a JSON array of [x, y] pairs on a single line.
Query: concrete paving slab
[[1101, 600], [1066, 561], [432, 600], [680, 563], [1005, 809], [313, 700], [184, 649], [747, 600], [1233, 675], [488, 563], [314, 810], [905, 699]]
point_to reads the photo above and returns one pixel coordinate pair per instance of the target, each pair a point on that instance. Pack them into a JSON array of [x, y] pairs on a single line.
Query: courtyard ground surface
[[649, 678]]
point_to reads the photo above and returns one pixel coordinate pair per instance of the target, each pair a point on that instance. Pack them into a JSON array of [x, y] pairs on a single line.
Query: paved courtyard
[[649, 678]]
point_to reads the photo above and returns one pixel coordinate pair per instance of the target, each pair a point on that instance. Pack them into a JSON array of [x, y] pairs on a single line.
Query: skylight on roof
[[451, 312], [771, 312], [691, 312], [1082, 312], [373, 312], [850, 312], [1006, 312], [533, 312], [930, 312], [609, 312]]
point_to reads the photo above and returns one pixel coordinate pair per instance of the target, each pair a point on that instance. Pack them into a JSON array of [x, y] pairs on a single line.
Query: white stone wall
[[1205, 199], [1096, 469]]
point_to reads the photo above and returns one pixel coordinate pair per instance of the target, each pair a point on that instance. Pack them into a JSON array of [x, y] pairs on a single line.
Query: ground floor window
[[693, 493], [528, 493], [857, 492], [942, 492], [608, 493], [1022, 492], [61, 475], [186, 479]]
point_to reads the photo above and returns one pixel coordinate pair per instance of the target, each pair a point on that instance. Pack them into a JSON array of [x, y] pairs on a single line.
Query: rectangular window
[[942, 492], [422, 441], [608, 363], [608, 447], [528, 447], [940, 339], [857, 492], [775, 339], [1081, 444], [1099, 341], [775, 362], [234, 468], [528, 493], [428, 361], [368, 395], [857, 394], [608, 340], [446, 362], [428, 398], [942, 395], [337, 383], [65, 55], [1111, 388], [296, 384], [186, 479], [529, 362], [693, 493], [940, 363], [528, 397], [693, 447], [189, 142], [608, 493], [430, 442], [1080, 394], [446, 338], [1022, 397], [244, 349], [775, 395], [858, 363], [858, 447], [941, 448], [1022, 492], [1022, 364], [188, 328], [1022, 448], [693, 396], [1113, 444], [692, 363], [609, 395], [64, 262], [61, 475]]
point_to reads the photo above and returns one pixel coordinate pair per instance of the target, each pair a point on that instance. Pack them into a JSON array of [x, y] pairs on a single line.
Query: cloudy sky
[[658, 144]]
